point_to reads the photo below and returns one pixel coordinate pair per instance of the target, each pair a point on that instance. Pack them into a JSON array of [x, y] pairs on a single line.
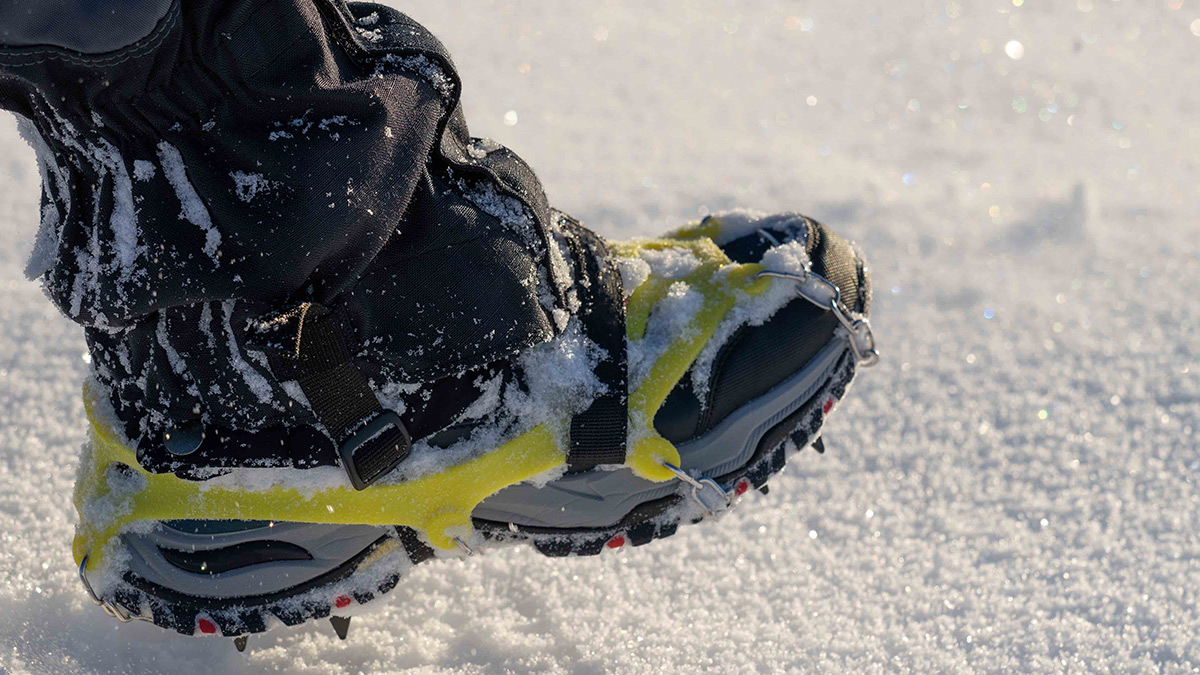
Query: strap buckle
[[375, 449]]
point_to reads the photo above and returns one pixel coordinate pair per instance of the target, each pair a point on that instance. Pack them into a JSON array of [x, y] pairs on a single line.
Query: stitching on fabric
[[151, 41]]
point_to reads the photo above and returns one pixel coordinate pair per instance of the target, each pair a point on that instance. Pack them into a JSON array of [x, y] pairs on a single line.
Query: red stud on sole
[[743, 485]]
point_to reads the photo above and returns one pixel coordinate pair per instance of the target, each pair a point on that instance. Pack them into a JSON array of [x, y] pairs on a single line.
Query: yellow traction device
[[437, 505]]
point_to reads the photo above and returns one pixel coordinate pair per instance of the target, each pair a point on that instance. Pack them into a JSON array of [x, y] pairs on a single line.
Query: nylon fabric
[[598, 434], [275, 156]]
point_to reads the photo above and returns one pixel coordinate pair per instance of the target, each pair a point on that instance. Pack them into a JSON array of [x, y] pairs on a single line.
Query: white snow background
[[1013, 489]]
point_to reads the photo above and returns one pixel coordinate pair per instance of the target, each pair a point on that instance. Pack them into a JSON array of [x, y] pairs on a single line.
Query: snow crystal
[[671, 319], [422, 66], [143, 170], [49, 234], [669, 263], [254, 380], [248, 185], [164, 341], [370, 35], [336, 120], [194, 210], [752, 310]]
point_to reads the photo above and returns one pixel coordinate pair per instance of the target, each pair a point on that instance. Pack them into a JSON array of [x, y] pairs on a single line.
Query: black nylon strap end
[[303, 344], [598, 434]]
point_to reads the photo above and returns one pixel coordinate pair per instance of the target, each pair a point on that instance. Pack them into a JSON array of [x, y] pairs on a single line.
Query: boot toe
[[756, 359]]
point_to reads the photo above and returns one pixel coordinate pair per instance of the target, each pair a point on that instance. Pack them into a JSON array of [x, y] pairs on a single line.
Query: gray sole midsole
[[594, 499], [602, 498], [330, 546]]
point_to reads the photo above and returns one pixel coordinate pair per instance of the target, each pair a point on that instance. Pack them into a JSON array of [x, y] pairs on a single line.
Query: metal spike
[[764, 488], [341, 625], [240, 642], [819, 445]]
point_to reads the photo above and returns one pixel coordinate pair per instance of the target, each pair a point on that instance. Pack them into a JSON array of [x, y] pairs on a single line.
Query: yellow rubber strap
[[650, 450], [438, 505]]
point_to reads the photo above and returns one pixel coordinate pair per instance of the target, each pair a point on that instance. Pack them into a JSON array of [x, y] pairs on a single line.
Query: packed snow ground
[[1013, 489]]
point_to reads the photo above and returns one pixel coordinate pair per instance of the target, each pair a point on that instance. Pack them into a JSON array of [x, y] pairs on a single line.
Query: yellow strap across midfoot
[[649, 452], [438, 505]]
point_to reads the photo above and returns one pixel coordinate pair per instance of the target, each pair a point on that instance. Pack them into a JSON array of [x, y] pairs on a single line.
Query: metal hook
[[705, 491], [825, 294], [112, 609], [464, 546]]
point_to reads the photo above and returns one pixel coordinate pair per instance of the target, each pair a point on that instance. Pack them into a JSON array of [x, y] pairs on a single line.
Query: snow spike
[[240, 642], [341, 625], [819, 445]]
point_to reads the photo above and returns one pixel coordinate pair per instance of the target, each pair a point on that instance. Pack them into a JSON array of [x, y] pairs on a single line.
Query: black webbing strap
[[303, 344], [598, 434]]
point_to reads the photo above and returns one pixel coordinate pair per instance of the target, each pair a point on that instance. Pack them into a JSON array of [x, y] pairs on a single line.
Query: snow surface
[[1014, 488]]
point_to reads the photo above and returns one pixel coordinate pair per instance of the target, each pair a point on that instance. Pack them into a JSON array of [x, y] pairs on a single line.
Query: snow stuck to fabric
[[49, 232], [108, 164], [514, 217], [247, 186], [418, 64], [671, 317], [255, 381], [1013, 494], [752, 310], [143, 170], [560, 380], [194, 210]]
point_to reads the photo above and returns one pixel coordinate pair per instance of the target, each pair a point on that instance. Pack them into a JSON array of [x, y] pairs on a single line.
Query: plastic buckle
[[375, 449], [705, 491]]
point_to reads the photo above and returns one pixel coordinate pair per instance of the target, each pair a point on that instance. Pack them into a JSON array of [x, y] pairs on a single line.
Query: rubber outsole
[[358, 581]]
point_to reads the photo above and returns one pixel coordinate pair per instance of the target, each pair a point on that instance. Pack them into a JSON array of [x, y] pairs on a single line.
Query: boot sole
[[377, 566]]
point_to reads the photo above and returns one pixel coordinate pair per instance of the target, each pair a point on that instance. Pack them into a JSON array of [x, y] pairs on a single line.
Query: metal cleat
[[341, 625]]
